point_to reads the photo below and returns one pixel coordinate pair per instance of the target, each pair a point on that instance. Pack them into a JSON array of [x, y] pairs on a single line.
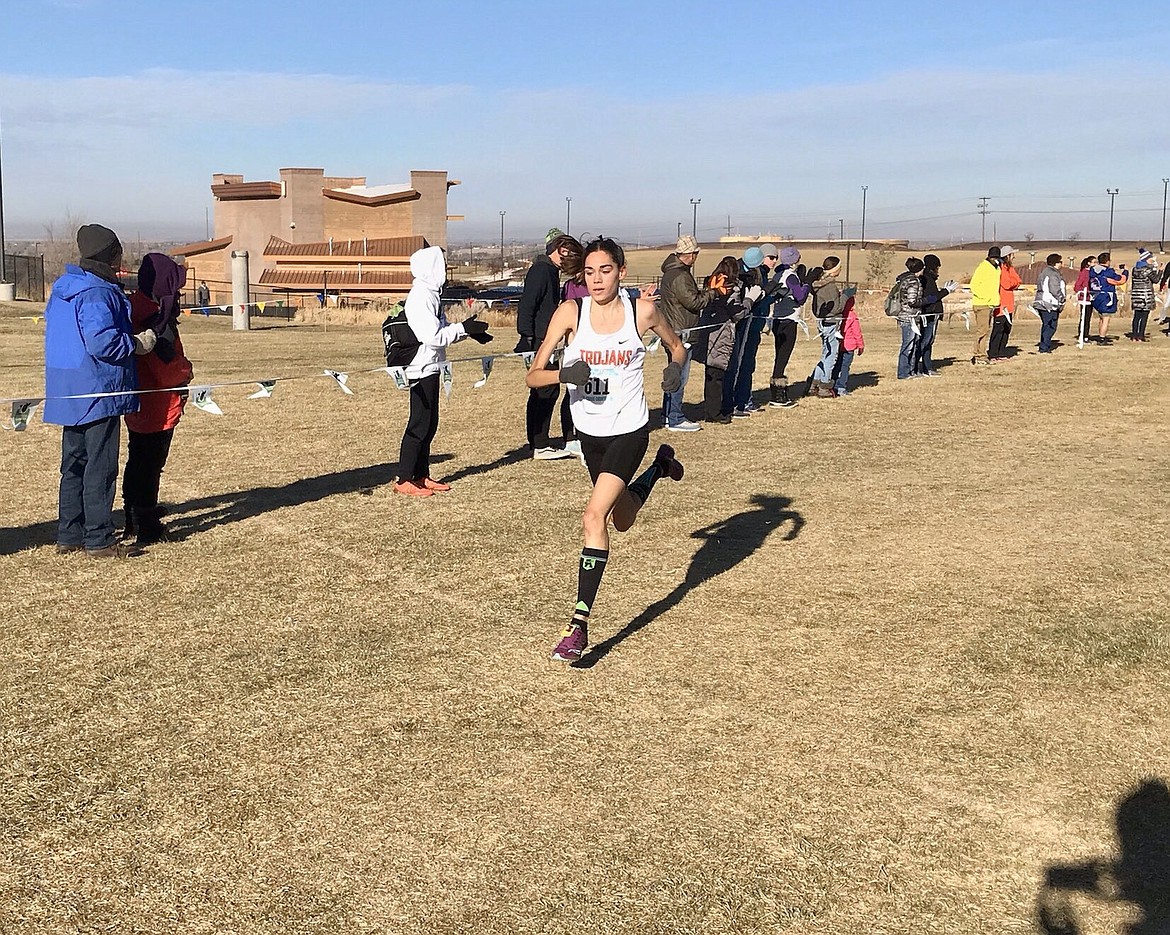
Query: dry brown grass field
[[877, 665]]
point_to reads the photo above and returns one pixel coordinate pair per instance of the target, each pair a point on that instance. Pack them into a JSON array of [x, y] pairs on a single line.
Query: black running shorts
[[615, 454]]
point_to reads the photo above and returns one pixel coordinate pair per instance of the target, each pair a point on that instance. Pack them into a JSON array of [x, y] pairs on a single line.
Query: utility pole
[[502, 213], [1112, 193], [1162, 239], [3, 257], [983, 223], [841, 221], [568, 213], [864, 191], [695, 202], [729, 227], [678, 236]]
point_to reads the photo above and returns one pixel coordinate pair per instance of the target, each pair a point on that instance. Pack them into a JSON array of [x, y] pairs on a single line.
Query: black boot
[[780, 398], [150, 530], [128, 532]]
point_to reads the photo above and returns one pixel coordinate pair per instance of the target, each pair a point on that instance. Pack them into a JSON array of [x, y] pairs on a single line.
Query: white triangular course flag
[[201, 398], [22, 410], [266, 388], [342, 379], [223, 308], [486, 363], [448, 377], [915, 327], [398, 375], [528, 357], [655, 343]]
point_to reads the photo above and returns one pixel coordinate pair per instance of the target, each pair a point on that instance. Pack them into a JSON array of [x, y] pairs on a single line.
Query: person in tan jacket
[[984, 302]]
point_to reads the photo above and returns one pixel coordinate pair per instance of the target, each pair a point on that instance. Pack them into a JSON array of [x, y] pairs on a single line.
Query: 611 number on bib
[[596, 387]]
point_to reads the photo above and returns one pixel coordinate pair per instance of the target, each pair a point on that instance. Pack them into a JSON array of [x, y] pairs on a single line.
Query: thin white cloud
[[101, 144]]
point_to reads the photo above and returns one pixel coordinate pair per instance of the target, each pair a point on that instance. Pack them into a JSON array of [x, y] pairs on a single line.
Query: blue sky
[[120, 112]]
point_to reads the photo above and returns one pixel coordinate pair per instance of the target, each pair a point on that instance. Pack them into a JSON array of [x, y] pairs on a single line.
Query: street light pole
[[502, 213], [695, 202], [1162, 239], [3, 258], [864, 192], [841, 221], [1112, 193], [678, 236], [568, 213]]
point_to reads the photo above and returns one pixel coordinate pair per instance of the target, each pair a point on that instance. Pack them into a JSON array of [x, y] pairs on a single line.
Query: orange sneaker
[[411, 489], [436, 486]]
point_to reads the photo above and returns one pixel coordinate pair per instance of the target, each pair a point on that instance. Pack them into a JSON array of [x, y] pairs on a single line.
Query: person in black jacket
[[541, 296], [932, 310]]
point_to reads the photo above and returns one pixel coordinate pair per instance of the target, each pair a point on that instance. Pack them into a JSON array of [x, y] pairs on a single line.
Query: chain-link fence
[[28, 272]]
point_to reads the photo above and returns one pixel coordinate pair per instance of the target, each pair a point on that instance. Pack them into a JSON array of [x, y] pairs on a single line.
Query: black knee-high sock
[[589, 572], [645, 482]]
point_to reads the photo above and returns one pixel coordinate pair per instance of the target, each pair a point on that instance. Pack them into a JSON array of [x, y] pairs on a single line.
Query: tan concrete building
[[300, 230]]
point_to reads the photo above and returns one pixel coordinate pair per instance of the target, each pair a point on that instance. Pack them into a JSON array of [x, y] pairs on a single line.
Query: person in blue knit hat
[[737, 383]]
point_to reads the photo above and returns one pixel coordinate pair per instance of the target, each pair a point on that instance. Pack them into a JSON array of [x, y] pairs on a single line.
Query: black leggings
[[1140, 320], [784, 334], [997, 345], [146, 457], [414, 460]]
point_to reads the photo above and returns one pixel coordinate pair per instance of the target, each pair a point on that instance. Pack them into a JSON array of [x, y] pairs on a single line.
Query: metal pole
[[502, 213], [983, 222], [1112, 193], [1162, 239], [695, 202], [568, 214], [864, 192], [841, 221], [678, 236], [3, 259]]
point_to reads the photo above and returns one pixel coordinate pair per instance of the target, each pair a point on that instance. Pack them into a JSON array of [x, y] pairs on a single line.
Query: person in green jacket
[[680, 299], [984, 302]]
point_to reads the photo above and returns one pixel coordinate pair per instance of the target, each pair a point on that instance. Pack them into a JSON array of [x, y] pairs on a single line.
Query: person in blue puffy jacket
[[89, 350]]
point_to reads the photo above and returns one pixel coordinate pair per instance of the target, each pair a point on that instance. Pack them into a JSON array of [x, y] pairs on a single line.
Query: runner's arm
[[562, 326], [650, 319]]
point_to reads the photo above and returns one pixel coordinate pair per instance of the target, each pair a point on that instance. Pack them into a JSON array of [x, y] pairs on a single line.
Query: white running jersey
[[612, 401]]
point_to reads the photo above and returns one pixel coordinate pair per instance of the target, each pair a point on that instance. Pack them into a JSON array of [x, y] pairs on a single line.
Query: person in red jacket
[[156, 306], [1009, 282]]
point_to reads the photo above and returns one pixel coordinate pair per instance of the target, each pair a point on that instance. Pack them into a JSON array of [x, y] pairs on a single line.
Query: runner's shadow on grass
[[726, 543], [199, 515], [1138, 878]]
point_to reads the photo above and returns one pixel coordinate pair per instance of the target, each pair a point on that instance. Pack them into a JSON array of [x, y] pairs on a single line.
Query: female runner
[[602, 366]]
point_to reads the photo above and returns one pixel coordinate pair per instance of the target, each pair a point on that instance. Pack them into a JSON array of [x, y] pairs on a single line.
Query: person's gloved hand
[[950, 285], [754, 294], [476, 330], [144, 342], [524, 345], [576, 373], [672, 378]]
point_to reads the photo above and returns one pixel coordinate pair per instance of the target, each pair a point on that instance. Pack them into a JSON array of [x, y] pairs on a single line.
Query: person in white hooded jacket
[[424, 313]]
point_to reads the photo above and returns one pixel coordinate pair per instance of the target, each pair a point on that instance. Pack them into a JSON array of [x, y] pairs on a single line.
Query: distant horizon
[[649, 120]]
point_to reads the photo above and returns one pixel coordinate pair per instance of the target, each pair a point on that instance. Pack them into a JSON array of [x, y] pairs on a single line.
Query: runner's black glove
[[576, 373], [672, 378]]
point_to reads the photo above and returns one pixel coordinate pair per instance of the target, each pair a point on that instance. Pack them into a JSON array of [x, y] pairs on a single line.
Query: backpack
[[1101, 297], [398, 338], [894, 300]]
